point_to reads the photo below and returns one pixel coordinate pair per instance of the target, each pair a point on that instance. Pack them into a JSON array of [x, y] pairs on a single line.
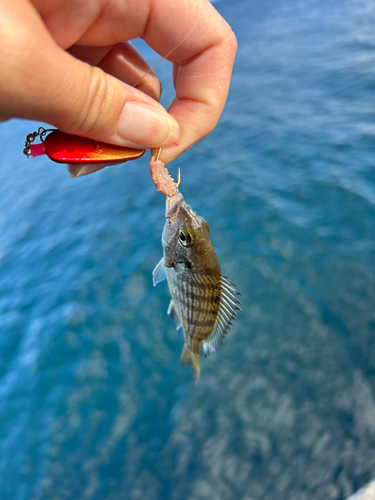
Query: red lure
[[67, 148]]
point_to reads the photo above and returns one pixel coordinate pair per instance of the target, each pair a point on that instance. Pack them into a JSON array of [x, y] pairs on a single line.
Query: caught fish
[[204, 302]]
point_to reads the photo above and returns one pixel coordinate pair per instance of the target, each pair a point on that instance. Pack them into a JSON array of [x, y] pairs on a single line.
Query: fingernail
[[143, 124]]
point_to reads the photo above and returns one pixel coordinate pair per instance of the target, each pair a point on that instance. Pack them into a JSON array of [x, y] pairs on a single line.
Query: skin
[[68, 63]]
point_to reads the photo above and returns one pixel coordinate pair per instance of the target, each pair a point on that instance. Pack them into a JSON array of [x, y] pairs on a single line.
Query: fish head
[[186, 239]]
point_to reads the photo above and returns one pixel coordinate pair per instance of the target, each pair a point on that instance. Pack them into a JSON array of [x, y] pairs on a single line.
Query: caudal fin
[[189, 358]]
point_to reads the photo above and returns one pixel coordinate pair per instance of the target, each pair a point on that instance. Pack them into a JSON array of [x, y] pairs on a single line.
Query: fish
[[203, 302]]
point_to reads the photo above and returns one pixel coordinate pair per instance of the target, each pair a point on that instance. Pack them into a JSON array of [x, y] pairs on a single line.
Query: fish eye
[[185, 237]]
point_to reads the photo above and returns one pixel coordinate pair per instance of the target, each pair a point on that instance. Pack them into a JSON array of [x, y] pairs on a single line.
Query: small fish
[[203, 301]]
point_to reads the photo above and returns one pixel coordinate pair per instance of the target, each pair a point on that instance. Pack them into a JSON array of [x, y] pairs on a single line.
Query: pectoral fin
[[189, 358], [159, 272]]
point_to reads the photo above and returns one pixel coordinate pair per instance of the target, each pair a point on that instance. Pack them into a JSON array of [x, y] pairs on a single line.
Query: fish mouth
[[173, 205], [168, 265]]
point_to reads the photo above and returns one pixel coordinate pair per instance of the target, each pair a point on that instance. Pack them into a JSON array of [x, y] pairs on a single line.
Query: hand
[[65, 62]]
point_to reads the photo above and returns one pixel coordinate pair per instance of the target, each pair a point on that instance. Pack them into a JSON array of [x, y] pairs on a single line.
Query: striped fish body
[[203, 301], [196, 300]]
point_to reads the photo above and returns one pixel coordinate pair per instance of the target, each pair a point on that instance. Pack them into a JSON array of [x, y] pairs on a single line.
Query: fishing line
[[171, 51]]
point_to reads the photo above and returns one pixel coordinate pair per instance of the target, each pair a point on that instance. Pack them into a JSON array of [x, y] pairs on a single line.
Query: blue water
[[93, 401]]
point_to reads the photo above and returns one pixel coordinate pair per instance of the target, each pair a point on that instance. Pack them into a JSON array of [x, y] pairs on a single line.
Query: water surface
[[93, 401]]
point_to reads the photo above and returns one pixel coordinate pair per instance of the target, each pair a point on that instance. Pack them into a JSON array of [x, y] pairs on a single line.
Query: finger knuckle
[[230, 43], [95, 102]]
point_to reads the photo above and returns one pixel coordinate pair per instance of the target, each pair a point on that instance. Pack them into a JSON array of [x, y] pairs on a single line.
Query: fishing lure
[[66, 148], [160, 175]]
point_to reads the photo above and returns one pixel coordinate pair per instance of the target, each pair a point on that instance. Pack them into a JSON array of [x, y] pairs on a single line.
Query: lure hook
[[179, 170]]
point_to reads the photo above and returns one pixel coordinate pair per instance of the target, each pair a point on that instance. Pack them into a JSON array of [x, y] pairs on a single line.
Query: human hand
[[65, 62]]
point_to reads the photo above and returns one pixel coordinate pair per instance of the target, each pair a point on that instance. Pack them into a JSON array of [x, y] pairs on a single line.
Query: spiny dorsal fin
[[173, 314], [229, 304], [159, 272]]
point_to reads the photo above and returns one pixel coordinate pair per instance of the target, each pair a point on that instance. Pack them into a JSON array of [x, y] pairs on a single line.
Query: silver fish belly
[[204, 302]]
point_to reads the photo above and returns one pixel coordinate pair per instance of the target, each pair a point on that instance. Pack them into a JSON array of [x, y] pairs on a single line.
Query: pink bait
[[162, 180]]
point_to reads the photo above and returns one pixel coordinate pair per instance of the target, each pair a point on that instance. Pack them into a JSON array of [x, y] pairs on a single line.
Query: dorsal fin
[[159, 272], [229, 304], [172, 312]]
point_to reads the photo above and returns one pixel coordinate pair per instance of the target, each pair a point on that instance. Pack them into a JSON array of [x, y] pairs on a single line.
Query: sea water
[[94, 403]]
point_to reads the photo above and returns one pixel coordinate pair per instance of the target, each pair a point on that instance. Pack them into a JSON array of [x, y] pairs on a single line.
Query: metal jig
[[67, 148]]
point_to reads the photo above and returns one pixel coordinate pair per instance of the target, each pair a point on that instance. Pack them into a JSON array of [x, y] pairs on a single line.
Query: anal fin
[[189, 358]]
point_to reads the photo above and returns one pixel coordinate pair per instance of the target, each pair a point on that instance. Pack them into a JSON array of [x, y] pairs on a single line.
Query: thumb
[[80, 99]]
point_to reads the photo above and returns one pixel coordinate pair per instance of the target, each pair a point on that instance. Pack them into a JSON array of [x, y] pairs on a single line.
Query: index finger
[[202, 64]]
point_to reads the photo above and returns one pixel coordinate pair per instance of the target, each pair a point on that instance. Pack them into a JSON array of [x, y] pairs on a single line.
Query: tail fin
[[189, 358]]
